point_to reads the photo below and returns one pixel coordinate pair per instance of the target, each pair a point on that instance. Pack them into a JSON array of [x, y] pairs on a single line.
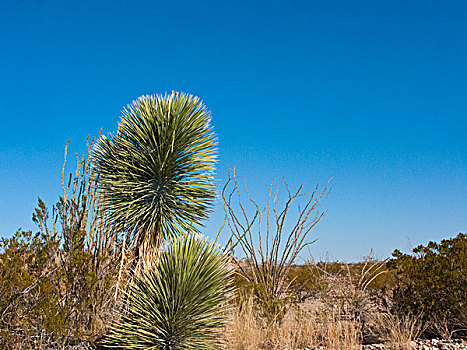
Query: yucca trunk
[[148, 251]]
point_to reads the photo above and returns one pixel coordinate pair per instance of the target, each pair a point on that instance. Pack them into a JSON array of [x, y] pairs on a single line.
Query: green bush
[[179, 303], [57, 287], [433, 281], [23, 289], [50, 295]]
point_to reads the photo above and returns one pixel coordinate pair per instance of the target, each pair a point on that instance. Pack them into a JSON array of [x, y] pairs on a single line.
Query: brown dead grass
[[299, 330], [317, 325]]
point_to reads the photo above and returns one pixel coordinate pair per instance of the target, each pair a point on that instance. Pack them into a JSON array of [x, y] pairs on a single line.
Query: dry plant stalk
[[399, 330], [350, 290], [84, 255], [442, 327], [269, 254]]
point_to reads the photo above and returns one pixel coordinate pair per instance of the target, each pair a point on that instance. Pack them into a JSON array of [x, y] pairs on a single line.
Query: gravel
[[429, 344]]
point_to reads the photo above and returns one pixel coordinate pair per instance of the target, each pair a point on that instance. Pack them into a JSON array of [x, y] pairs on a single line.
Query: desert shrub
[[181, 302], [57, 286], [24, 263], [271, 239], [433, 281]]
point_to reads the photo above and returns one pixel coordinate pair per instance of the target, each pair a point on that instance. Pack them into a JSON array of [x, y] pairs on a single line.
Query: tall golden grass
[[321, 328], [298, 330]]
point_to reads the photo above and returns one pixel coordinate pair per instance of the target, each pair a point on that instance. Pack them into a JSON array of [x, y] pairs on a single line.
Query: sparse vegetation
[[300, 329], [118, 263], [57, 286]]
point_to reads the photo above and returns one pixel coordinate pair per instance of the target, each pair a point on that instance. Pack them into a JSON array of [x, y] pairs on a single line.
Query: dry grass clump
[[399, 331], [316, 325], [298, 330]]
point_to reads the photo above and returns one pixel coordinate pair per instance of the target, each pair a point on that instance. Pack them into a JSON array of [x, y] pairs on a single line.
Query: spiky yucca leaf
[[157, 171], [179, 303]]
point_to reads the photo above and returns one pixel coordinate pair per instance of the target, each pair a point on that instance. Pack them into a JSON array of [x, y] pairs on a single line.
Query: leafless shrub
[[275, 243], [349, 287]]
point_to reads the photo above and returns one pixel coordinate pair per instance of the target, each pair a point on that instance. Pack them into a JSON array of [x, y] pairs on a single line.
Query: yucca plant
[[156, 172], [181, 302]]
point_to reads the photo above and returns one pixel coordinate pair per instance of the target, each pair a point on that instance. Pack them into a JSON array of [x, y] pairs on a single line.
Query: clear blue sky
[[371, 92]]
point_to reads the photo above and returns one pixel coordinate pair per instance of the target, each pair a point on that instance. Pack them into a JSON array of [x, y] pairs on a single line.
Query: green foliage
[[57, 286], [22, 261], [50, 294], [433, 281], [271, 308], [179, 303], [156, 172]]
